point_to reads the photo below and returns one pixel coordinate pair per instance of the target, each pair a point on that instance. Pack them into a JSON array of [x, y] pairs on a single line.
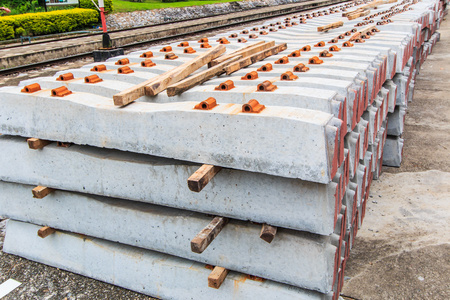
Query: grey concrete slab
[[232, 193], [238, 247], [175, 131], [141, 270]]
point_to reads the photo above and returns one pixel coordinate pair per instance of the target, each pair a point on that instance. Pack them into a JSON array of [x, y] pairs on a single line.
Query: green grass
[[126, 6]]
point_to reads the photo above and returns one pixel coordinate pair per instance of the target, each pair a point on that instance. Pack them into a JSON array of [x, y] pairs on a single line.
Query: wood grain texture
[[255, 58], [197, 79], [208, 234], [201, 177], [35, 144], [161, 82], [40, 192], [268, 233], [217, 276], [157, 83], [45, 231]]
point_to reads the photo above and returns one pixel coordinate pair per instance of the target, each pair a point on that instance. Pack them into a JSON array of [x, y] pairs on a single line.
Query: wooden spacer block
[[202, 176], [268, 233], [216, 277], [208, 234], [45, 231], [34, 143], [41, 191]]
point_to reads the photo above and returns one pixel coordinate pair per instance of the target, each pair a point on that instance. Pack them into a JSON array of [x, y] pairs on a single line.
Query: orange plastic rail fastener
[[65, 77], [147, 63], [147, 54], [250, 76], [225, 86], [315, 60], [266, 86], [266, 68], [98, 68], [92, 79], [123, 61], [208, 104], [31, 88], [61, 92], [253, 106]]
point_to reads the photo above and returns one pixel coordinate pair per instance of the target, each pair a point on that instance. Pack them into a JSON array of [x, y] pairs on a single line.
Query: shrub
[[46, 22], [88, 4]]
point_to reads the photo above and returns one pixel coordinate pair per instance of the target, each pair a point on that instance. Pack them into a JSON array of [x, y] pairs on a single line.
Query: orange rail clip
[[189, 50], [233, 35], [31, 88], [315, 60], [283, 60], [208, 104], [147, 63], [65, 77], [147, 54], [225, 86], [123, 61], [266, 86], [170, 56], [61, 92], [347, 44], [288, 76], [250, 76], [325, 53], [301, 68], [295, 53], [241, 40], [263, 32], [124, 70], [92, 79], [265, 68], [253, 36], [320, 44], [334, 48], [98, 68], [205, 45], [183, 44], [253, 106], [166, 49], [203, 40], [306, 48]]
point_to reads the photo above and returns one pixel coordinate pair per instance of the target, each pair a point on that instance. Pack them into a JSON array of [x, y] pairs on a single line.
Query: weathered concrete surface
[[149, 272], [401, 251]]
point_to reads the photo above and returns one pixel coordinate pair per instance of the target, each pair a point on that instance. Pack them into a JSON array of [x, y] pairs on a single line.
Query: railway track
[[178, 29]]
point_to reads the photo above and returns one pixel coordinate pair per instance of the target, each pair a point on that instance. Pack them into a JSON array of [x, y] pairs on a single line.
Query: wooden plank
[[202, 176], [196, 79], [208, 234], [161, 82], [268, 233], [45, 231], [217, 276], [34, 143], [129, 95], [330, 26], [255, 58], [245, 51], [40, 192]]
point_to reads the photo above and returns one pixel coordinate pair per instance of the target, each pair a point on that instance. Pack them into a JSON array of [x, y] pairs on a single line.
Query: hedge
[[89, 4], [47, 22]]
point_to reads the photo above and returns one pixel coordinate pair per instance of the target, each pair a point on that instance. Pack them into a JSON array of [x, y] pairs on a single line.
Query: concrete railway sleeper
[[262, 170]]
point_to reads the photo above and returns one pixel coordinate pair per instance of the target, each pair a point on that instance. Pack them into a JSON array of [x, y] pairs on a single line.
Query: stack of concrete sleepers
[[292, 176], [404, 80]]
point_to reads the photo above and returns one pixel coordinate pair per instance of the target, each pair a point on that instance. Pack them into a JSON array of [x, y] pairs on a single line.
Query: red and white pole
[[101, 5]]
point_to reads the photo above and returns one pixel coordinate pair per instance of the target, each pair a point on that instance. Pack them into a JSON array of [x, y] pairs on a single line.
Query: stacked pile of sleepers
[[277, 187]]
